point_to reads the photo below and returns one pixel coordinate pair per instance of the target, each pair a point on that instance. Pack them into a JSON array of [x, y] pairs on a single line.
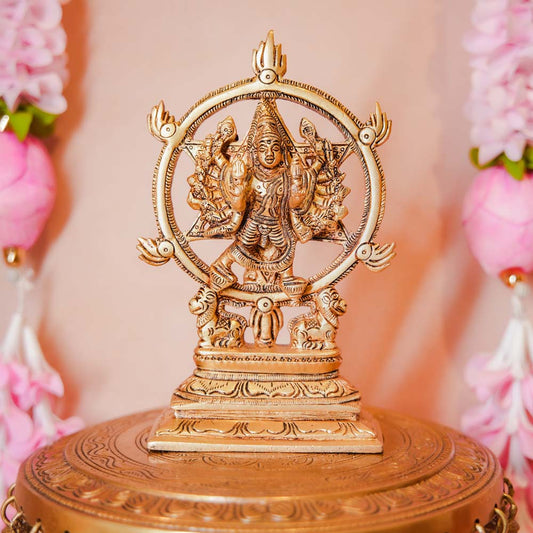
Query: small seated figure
[[317, 331], [327, 207], [216, 326]]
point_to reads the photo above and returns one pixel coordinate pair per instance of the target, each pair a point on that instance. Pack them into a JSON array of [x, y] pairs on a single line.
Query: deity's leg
[[293, 286], [220, 274]]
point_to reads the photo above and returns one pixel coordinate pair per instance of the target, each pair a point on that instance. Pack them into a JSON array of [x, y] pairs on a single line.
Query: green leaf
[[40, 129], [43, 117], [528, 156], [515, 168], [28, 119], [20, 122], [474, 158], [43, 122]]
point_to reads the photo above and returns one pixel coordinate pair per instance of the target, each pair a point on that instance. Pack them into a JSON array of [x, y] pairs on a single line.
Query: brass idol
[[266, 194]]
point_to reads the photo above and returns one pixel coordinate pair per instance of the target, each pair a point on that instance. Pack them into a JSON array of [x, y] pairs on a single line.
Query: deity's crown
[[267, 123]]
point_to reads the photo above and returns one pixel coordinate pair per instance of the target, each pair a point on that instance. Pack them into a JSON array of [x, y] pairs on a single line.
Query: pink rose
[[27, 190], [498, 220]]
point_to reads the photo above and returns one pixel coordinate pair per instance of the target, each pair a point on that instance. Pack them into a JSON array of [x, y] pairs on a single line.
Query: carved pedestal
[[266, 400]]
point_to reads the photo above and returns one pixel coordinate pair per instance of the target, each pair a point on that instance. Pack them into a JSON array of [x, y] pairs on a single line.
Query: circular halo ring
[[254, 89]]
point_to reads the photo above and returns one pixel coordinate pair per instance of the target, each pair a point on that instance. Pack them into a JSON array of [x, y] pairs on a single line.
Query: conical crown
[[267, 123]]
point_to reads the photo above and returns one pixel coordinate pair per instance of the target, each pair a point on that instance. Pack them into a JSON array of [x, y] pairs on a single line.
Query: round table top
[[429, 478]]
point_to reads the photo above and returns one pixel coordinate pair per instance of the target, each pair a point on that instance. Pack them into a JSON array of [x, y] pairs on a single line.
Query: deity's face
[[227, 130], [269, 152], [308, 132]]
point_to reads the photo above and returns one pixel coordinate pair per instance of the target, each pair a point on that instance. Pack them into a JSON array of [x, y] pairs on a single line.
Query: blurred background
[[120, 332]]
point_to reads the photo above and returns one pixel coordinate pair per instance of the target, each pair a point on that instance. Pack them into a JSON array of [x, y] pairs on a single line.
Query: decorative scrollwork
[[280, 430], [161, 123], [377, 130], [268, 62], [427, 478], [375, 257], [154, 252], [333, 389]]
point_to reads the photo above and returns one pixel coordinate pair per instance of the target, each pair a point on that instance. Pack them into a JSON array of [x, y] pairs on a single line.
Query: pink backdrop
[[120, 332]]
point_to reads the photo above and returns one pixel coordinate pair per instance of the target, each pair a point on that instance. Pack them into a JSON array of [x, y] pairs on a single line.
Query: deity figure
[[327, 206], [267, 196], [205, 193]]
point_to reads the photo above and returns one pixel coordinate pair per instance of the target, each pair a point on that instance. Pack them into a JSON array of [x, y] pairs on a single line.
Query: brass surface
[[268, 361], [512, 276], [266, 193], [429, 479], [14, 256]]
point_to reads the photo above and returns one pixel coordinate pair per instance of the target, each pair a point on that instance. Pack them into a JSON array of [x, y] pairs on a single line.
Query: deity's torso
[[266, 197], [265, 239]]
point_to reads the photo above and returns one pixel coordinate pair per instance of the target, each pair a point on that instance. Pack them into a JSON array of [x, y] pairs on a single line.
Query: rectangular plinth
[[282, 434]]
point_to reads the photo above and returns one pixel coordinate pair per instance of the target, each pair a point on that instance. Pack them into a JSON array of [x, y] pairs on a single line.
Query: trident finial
[[268, 62]]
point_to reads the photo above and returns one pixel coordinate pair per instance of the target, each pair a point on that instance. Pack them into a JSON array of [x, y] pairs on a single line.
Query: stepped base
[[278, 434], [216, 410]]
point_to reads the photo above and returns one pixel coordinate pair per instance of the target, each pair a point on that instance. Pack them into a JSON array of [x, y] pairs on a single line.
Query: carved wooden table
[[428, 479]]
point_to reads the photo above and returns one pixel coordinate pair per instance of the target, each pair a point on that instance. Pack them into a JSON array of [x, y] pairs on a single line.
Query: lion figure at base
[[216, 326], [317, 330]]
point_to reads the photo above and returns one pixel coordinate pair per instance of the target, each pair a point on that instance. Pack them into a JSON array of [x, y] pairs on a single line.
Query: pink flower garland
[[498, 222], [503, 382], [32, 54], [501, 100], [27, 190], [32, 75], [28, 388]]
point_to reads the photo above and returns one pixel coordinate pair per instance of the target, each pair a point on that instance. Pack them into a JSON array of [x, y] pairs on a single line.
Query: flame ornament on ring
[[375, 257], [154, 252]]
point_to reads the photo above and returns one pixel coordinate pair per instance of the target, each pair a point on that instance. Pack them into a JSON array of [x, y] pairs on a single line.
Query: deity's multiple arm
[[235, 184], [234, 188]]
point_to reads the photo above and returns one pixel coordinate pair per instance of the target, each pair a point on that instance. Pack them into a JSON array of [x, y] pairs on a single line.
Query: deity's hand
[[298, 183], [328, 150], [238, 170], [234, 186], [248, 160], [207, 206], [321, 148], [297, 171], [221, 143], [320, 151], [216, 232]]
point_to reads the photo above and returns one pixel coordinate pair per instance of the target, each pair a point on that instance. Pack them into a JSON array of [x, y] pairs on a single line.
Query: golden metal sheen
[[429, 479], [14, 256], [267, 193], [512, 276]]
